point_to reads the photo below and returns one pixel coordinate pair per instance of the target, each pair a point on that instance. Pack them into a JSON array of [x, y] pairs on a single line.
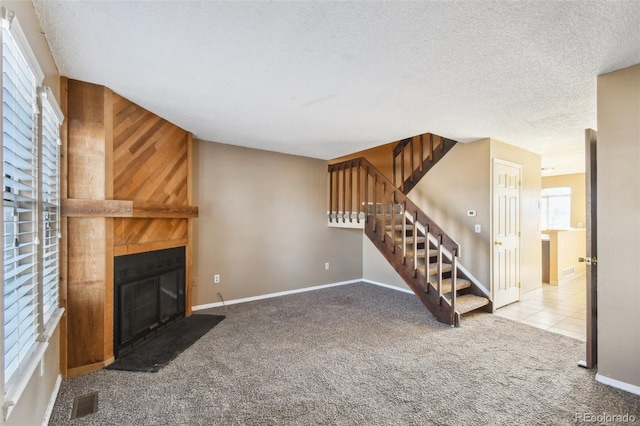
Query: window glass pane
[[555, 208], [544, 208]]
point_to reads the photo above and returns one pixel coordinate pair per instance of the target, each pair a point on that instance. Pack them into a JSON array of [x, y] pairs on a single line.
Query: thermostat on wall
[[471, 213]]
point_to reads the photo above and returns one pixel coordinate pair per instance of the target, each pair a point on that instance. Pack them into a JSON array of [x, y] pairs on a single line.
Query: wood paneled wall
[[128, 190], [149, 156], [149, 164]]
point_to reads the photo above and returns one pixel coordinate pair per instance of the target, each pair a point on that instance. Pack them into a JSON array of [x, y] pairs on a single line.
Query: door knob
[[498, 243]]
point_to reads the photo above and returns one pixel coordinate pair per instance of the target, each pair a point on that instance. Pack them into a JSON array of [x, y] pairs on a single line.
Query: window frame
[[45, 104]]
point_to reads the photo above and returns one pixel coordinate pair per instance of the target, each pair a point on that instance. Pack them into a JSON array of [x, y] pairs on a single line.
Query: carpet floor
[[355, 354]]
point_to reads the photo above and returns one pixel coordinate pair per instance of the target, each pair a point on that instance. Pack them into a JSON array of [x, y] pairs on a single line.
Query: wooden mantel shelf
[[124, 208]]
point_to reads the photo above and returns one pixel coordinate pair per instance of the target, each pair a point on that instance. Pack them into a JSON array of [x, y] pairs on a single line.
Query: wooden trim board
[[125, 208]]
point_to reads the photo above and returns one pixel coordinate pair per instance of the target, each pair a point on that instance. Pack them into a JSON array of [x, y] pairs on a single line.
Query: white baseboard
[[270, 295], [52, 401], [392, 287], [627, 387]]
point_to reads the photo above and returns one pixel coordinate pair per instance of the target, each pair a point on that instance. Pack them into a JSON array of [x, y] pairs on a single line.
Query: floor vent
[[84, 405], [568, 271]]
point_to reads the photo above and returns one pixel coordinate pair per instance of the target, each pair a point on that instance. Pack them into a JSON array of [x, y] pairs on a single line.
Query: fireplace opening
[[148, 295]]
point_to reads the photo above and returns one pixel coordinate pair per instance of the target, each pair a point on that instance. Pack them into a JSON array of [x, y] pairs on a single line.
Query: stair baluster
[[439, 268], [411, 155], [350, 192], [375, 202], [414, 232], [331, 196], [358, 192], [418, 237], [393, 221], [402, 169], [384, 211], [403, 206], [344, 191], [430, 146], [427, 251], [421, 152], [366, 196], [454, 279]]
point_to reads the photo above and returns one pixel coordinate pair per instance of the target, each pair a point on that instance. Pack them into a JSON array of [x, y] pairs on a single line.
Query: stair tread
[[409, 239], [398, 227], [461, 284], [470, 302], [433, 268], [421, 253]]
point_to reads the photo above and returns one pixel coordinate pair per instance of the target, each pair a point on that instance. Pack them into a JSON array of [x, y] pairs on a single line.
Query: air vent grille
[[568, 271], [84, 405]]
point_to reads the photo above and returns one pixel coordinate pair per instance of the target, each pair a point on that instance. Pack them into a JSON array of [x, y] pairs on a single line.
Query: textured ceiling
[[323, 79]]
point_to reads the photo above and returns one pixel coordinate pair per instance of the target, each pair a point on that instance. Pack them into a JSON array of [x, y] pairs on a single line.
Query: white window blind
[[20, 200], [50, 141]]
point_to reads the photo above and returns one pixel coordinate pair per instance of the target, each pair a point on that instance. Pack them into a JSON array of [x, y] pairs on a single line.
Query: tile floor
[[560, 309]]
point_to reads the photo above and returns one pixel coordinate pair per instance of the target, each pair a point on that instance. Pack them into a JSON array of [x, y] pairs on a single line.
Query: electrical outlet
[[216, 279], [326, 265]]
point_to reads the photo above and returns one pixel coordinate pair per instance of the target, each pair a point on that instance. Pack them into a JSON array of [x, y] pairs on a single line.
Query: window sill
[[17, 386]]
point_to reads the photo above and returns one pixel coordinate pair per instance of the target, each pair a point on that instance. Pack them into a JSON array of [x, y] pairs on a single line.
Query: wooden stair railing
[[418, 249], [414, 157]]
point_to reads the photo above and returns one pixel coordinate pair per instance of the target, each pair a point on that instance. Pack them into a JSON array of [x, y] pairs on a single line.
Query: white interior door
[[506, 232]]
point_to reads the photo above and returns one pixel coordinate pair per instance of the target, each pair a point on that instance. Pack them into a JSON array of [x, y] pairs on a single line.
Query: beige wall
[[31, 26], [457, 183], [576, 182], [530, 241], [263, 225], [381, 157], [619, 225], [376, 268], [461, 181], [32, 405], [565, 247]]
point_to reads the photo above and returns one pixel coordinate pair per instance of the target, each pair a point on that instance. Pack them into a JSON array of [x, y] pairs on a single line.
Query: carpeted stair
[[427, 266]]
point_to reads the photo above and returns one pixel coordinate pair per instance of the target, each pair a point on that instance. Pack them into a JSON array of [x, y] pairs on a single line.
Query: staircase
[[418, 249], [414, 157]]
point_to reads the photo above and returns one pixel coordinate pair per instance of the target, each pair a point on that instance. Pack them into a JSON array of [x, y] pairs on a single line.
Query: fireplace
[[149, 293]]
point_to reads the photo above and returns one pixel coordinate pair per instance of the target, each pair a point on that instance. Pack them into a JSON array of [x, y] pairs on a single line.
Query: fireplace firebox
[[148, 295]]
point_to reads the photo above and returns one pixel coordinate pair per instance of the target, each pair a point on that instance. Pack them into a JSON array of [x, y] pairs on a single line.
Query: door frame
[[591, 139], [494, 161]]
